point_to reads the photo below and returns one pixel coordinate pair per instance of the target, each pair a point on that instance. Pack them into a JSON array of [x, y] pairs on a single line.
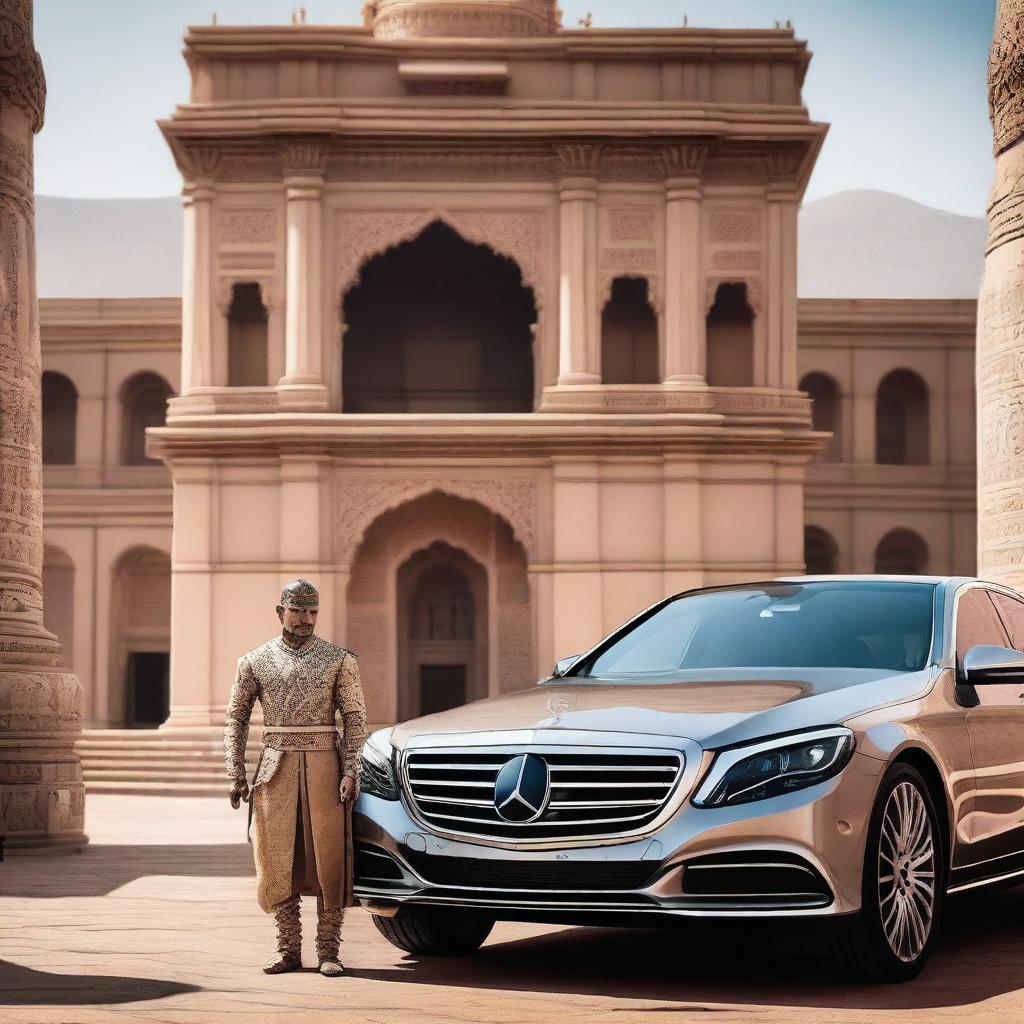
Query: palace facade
[[490, 329]]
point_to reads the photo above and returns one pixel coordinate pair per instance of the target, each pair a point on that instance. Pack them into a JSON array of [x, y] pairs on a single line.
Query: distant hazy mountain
[[108, 248], [858, 244], [865, 244]]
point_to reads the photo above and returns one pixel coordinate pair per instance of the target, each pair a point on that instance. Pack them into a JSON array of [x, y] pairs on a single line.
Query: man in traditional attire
[[301, 799]]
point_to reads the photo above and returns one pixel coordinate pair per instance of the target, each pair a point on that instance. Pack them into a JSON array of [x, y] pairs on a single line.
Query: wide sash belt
[[280, 737]]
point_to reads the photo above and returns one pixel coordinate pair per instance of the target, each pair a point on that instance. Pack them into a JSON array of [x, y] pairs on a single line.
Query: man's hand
[[347, 789], [239, 791]]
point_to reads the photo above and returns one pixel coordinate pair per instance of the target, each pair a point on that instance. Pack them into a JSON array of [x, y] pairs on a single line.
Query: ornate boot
[[328, 938], [289, 938]]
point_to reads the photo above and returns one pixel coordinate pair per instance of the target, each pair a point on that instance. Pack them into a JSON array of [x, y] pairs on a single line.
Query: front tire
[[435, 932], [904, 883]]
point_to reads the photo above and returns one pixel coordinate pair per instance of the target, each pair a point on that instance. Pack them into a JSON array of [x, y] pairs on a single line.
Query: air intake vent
[[587, 794]]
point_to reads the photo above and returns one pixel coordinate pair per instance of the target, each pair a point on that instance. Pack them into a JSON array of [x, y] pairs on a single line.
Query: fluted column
[[1000, 368], [685, 356], [42, 798], [198, 358], [302, 386], [579, 333]]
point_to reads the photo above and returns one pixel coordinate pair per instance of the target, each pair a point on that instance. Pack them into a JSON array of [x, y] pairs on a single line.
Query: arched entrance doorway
[[438, 324], [438, 607], [442, 654]]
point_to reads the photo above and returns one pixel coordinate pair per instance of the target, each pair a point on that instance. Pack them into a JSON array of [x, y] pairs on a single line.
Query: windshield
[[843, 624]]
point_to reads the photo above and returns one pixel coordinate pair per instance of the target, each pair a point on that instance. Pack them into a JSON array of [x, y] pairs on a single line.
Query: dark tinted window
[[813, 625]]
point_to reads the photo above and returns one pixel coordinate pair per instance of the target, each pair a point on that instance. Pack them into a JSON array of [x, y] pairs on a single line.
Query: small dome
[[480, 19]]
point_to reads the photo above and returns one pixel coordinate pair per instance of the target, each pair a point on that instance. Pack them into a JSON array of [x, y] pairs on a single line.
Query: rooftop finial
[[213, 20]]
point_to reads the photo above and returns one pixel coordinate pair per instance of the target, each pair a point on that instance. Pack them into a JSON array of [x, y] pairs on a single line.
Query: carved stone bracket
[[782, 165], [358, 503], [579, 160], [683, 160], [200, 162], [520, 234], [306, 159]]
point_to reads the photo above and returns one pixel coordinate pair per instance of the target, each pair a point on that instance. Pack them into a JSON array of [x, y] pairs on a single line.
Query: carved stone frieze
[[520, 234], [429, 164], [479, 19], [782, 164], [735, 227], [731, 259], [247, 226], [357, 503], [631, 224]]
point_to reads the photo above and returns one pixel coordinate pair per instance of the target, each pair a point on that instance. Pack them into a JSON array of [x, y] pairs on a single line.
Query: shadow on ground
[[979, 956], [98, 870], [22, 986]]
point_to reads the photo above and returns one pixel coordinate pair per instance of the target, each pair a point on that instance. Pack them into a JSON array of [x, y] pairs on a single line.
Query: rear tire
[[904, 882], [435, 932]]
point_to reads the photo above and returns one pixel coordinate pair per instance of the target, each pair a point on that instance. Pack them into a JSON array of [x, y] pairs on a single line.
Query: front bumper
[[793, 856]]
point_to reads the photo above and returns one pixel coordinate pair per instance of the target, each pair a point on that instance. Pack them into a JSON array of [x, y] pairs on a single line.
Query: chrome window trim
[[726, 759], [556, 741]]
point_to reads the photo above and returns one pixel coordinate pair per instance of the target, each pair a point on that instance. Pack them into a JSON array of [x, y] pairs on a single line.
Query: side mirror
[[562, 666], [986, 663]]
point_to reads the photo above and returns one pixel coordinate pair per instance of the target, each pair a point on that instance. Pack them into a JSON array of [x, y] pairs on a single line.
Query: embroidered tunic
[[301, 831]]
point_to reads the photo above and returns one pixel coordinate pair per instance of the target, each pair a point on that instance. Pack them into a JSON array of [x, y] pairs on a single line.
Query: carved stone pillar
[[302, 386], [1000, 356], [579, 319], [198, 358], [42, 798], [685, 356], [782, 166]]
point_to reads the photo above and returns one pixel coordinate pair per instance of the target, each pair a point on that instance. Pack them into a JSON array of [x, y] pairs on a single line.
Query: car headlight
[[376, 767], [774, 767]]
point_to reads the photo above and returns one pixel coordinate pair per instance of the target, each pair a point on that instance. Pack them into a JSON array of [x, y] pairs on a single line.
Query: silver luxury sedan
[[840, 749]]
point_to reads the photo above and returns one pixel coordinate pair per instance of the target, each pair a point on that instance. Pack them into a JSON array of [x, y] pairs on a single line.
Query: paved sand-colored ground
[[157, 921]]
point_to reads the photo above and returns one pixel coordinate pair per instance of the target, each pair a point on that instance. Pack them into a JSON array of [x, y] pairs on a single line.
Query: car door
[[995, 725]]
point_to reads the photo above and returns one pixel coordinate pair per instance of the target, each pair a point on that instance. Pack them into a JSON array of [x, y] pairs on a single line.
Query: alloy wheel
[[906, 872]]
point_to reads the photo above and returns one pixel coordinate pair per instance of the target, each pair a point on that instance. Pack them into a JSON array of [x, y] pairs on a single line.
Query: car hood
[[714, 708]]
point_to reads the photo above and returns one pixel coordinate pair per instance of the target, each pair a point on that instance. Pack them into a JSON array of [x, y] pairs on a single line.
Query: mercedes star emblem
[[521, 789]]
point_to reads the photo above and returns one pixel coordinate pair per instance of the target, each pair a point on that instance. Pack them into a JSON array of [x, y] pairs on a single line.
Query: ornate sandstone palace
[[490, 329]]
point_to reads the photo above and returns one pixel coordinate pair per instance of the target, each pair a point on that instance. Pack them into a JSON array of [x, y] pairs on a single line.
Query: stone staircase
[[183, 763]]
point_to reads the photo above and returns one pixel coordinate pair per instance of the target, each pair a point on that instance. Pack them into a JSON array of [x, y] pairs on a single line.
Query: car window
[[852, 624], [1011, 612], [977, 622]]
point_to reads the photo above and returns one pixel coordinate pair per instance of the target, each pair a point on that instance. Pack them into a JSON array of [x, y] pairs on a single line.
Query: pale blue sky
[[901, 81]]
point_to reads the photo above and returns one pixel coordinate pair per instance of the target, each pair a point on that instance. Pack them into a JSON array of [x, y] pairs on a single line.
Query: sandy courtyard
[[157, 921]]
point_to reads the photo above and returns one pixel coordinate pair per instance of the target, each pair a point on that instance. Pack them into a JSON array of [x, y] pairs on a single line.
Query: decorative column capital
[[306, 159], [782, 171], [22, 82], [199, 164], [579, 159], [683, 160]]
